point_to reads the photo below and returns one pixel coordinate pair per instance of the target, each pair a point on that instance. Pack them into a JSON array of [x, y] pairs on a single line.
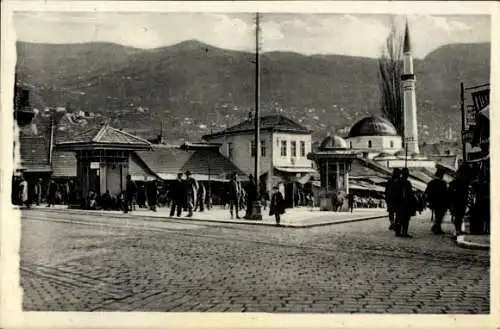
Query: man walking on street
[[436, 195], [51, 193], [152, 194], [38, 192], [234, 196], [130, 194], [251, 196], [177, 196], [390, 196], [405, 204], [191, 191]]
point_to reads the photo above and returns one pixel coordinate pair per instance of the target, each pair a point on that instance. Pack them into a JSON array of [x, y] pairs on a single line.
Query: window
[[302, 148], [392, 144], [252, 149], [263, 148], [230, 150], [369, 144], [294, 148], [283, 148]]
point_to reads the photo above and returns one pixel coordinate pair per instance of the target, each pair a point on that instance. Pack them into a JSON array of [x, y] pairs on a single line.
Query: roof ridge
[[129, 135]]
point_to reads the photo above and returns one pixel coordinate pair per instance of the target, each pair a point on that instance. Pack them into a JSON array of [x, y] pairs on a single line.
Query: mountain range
[[196, 88]]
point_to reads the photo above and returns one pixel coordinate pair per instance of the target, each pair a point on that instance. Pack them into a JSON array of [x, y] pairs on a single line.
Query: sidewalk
[[295, 218], [474, 241]]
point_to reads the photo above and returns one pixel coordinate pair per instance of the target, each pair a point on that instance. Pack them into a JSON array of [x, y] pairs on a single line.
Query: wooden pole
[[257, 103]]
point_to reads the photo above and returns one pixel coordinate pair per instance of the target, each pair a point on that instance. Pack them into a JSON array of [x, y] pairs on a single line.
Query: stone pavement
[[297, 217], [84, 262]]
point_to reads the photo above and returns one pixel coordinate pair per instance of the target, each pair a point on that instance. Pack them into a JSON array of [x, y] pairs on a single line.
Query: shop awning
[[296, 170]]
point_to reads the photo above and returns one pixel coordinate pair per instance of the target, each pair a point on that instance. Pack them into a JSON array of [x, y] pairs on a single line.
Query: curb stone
[[471, 245], [192, 219]]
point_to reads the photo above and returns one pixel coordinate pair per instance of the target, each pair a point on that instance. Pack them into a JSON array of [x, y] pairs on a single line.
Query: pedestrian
[[24, 192], [350, 201], [51, 193], [130, 193], [390, 196], [436, 195], [38, 192], [141, 195], [177, 196], [251, 193], [277, 207], [191, 186], [152, 193], [458, 194], [201, 197], [234, 195], [106, 201], [404, 203]]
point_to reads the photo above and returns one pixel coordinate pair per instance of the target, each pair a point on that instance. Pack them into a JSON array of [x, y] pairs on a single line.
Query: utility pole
[[256, 211], [257, 102]]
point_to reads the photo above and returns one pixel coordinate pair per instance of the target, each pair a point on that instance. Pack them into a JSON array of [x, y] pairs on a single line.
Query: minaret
[[409, 100]]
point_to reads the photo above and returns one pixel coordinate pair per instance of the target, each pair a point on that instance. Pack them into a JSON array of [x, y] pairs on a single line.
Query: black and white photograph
[[249, 161]]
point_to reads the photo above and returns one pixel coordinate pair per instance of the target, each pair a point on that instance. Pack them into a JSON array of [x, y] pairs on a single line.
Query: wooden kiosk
[[333, 160], [102, 155]]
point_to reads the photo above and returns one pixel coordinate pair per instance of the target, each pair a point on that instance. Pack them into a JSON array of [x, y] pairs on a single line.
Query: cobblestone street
[[91, 263]]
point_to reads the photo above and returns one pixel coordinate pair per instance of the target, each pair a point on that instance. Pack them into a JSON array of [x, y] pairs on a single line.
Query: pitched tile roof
[[63, 164], [269, 122], [172, 160], [106, 135], [34, 152]]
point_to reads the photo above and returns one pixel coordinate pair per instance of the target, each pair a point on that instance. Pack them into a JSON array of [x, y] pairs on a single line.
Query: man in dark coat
[[436, 195], [234, 196], [405, 204], [277, 207], [141, 195], [38, 192], [251, 195], [201, 197], [177, 194], [390, 196], [51, 193], [191, 188], [130, 194], [152, 193]]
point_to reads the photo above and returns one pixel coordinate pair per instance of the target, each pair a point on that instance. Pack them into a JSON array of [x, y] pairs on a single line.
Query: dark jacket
[[405, 202], [436, 194], [178, 191], [277, 204], [131, 189], [390, 194], [458, 195], [233, 190], [152, 193]]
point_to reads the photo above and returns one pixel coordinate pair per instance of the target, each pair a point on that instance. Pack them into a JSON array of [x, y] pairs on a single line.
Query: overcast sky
[[359, 35]]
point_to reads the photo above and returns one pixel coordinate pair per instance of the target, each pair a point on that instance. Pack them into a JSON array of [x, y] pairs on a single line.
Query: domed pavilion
[[333, 160]]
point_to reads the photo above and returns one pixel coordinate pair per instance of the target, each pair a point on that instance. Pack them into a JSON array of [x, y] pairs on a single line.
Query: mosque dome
[[373, 126], [333, 143]]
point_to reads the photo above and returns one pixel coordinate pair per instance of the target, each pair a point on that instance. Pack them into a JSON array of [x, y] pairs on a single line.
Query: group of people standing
[[403, 202], [27, 193]]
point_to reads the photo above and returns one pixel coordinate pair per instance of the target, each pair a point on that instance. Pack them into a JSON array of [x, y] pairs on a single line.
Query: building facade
[[283, 150]]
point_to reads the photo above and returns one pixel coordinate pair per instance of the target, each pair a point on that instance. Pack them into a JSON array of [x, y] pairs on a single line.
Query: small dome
[[333, 143], [373, 126]]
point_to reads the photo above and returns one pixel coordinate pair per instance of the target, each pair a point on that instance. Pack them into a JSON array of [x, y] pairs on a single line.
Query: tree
[[390, 71]]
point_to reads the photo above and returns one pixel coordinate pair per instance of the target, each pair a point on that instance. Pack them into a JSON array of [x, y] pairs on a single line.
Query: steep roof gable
[[269, 122]]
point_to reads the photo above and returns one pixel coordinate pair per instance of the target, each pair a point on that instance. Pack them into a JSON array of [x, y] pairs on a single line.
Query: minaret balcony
[[406, 77]]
